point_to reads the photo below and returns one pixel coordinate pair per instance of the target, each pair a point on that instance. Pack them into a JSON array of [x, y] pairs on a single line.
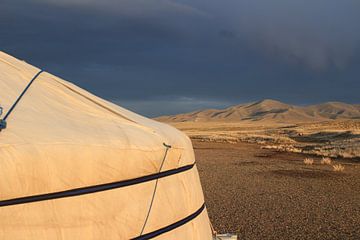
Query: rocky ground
[[266, 194]]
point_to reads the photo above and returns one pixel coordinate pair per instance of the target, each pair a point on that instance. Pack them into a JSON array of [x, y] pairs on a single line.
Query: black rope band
[[171, 226], [95, 188]]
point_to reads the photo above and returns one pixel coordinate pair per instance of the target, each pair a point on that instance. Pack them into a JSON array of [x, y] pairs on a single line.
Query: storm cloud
[[165, 56]]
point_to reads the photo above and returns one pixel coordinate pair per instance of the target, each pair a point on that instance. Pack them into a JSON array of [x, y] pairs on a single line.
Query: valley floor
[[265, 194], [329, 139]]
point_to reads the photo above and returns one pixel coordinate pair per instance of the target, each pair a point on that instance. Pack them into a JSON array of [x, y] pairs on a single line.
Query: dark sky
[[168, 56]]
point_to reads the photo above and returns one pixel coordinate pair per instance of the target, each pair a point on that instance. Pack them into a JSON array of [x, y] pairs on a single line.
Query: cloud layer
[[137, 51]]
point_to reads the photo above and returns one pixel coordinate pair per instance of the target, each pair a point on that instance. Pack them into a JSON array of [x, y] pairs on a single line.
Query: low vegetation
[[309, 161], [333, 139], [338, 168], [326, 161]]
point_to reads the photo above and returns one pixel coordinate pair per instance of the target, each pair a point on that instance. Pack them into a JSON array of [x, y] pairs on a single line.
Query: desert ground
[[269, 194], [277, 171], [330, 129], [340, 138]]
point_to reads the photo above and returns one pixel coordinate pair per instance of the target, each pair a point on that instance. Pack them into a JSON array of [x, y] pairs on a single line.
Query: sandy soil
[[332, 138], [263, 194]]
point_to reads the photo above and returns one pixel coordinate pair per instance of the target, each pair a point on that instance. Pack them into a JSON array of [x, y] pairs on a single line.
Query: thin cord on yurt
[[154, 192], [3, 121]]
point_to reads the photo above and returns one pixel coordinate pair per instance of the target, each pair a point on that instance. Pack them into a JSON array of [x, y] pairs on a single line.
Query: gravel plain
[[263, 194]]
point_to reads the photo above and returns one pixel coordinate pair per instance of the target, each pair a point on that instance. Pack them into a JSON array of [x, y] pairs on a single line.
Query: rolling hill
[[271, 111]]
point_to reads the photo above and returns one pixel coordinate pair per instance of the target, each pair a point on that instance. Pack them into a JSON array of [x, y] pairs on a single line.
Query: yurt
[[74, 166]]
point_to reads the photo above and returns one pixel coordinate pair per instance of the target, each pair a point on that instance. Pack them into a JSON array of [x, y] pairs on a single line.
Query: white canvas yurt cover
[[74, 166]]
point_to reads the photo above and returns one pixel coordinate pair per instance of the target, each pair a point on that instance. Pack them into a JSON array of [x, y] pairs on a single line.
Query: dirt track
[[261, 194]]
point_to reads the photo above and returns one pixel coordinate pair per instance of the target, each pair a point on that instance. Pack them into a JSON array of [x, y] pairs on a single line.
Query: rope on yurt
[[3, 121], [172, 226], [95, 188], [154, 192]]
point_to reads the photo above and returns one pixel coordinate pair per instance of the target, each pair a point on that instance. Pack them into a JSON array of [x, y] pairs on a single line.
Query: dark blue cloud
[[148, 54]]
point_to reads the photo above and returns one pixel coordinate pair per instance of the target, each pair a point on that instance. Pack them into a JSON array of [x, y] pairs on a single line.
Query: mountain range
[[269, 110]]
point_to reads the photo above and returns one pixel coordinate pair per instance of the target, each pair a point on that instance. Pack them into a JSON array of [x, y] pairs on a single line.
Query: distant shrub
[[309, 161], [338, 168], [326, 161]]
